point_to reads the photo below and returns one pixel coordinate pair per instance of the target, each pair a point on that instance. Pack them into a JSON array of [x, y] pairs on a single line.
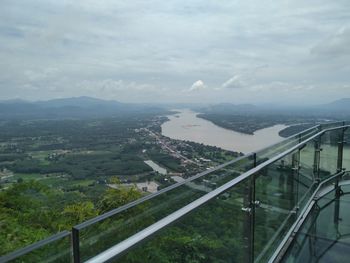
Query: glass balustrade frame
[[261, 160]]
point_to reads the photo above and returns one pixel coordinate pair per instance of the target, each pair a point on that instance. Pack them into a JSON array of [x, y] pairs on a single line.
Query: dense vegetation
[[57, 173], [249, 123], [31, 211], [294, 129]]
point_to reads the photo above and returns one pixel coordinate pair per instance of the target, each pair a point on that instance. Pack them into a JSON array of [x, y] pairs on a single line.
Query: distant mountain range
[[78, 107], [342, 104], [336, 109], [87, 107]]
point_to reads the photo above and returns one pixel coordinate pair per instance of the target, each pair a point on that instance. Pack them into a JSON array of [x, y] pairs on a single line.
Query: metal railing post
[[340, 151], [252, 216], [76, 248], [338, 191], [317, 158], [337, 188], [249, 209], [295, 178]]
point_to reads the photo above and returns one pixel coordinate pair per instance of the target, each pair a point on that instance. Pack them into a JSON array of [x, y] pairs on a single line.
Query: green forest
[[55, 174]]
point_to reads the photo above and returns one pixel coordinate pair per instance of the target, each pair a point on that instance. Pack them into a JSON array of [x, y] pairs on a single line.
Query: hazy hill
[[225, 108], [342, 104], [78, 107], [87, 107], [83, 102], [336, 109]]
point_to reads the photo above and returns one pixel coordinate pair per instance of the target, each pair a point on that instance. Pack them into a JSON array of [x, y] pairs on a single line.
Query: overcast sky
[[176, 50]]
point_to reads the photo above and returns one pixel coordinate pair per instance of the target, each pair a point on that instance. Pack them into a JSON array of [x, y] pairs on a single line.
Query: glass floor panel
[[325, 234]]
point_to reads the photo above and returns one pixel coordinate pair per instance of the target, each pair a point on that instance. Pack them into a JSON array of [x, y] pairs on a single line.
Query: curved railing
[[323, 235], [240, 186], [272, 194]]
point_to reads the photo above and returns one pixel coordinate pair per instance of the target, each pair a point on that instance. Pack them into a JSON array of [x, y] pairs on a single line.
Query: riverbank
[[187, 126], [247, 124]]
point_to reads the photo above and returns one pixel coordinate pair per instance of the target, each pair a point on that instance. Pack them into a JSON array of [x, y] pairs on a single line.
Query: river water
[[185, 125]]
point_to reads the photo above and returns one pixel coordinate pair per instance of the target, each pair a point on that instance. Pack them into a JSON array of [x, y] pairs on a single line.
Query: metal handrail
[[152, 229], [288, 138], [148, 197], [63, 234]]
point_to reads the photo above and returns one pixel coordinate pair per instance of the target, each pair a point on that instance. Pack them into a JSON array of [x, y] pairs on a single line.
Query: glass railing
[[106, 231], [53, 249], [102, 233], [324, 236], [246, 221], [346, 153], [250, 204]]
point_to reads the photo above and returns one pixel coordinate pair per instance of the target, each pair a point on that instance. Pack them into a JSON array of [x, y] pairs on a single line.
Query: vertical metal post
[[317, 157], [336, 211], [340, 151], [249, 222], [313, 236], [76, 248], [339, 161], [295, 180], [252, 217], [247, 235], [338, 190], [254, 160]]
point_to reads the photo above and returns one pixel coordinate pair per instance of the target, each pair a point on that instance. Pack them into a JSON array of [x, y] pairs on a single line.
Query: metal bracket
[[246, 209]]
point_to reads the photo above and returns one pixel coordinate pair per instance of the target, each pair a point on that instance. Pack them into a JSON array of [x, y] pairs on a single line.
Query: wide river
[[185, 125]]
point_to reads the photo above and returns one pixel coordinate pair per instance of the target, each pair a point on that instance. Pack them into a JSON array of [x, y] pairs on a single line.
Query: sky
[[251, 51]]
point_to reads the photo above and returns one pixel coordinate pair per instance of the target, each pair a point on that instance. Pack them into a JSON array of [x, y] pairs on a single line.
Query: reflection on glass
[[102, 235], [214, 232], [324, 237]]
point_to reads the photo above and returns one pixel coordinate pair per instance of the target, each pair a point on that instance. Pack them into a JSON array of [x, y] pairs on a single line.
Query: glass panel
[[346, 152], [284, 145], [275, 190], [329, 153], [102, 235], [217, 231], [305, 177], [325, 233], [277, 148], [56, 251], [306, 248]]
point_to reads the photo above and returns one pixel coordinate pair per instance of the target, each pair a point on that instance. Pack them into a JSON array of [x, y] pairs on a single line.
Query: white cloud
[[41, 75], [280, 86], [130, 47], [337, 45], [109, 86], [198, 85], [235, 82]]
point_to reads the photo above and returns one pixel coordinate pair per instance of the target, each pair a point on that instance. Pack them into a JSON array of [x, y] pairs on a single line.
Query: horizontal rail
[[152, 229], [148, 197], [136, 238], [296, 136], [63, 234], [37, 245]]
